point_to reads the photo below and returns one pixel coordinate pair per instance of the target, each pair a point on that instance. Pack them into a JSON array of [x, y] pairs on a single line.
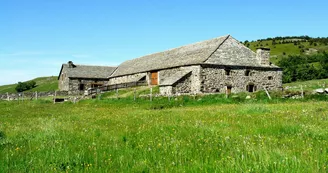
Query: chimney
[[70, 64], [263, 55]]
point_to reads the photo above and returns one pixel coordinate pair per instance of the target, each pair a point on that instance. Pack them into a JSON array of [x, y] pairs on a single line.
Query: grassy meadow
[[202, 134]]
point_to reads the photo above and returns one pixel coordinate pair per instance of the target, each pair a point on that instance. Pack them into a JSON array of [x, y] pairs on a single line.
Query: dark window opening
[[81, 87], [247, 73], [251, 88], [270, 77], [227, 72]]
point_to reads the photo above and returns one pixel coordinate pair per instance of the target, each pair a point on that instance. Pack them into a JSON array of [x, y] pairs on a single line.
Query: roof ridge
[[94, 65], [217, 48], [198, 42]]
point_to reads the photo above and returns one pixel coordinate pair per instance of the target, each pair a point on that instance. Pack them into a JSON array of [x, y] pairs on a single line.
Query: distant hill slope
[[291, 45], [43, 84], [309, 85]]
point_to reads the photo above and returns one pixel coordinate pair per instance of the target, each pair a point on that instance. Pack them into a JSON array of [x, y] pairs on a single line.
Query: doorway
[[250, 88], [229, 88]]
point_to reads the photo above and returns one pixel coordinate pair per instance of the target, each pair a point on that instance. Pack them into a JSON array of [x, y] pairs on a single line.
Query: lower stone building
[[77, 78], [220, 65]]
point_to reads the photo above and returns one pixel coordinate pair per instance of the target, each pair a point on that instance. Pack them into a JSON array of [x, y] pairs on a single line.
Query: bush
[[23, 86]]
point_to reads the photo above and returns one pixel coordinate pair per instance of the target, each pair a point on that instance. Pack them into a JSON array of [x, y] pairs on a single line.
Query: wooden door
[[154, 78]]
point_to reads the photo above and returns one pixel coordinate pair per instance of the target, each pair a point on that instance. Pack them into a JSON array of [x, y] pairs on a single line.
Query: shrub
[[23, 86]]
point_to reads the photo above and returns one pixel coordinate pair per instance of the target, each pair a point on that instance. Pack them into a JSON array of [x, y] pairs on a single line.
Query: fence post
[[36, 95], [55, 97], [302, 92], [267, 92], [135, 92], [169, 97], [226, 92], [22, 96], [151, 94], [116, 93], [7, 96]]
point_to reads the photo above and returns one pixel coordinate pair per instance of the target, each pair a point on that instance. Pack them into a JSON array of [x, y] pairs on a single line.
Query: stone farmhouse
[[77, 78], [219, 65]]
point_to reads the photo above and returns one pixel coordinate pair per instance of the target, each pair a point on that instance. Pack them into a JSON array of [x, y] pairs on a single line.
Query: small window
[[227, 72], [81, 87], [270, 78], [247, 73]]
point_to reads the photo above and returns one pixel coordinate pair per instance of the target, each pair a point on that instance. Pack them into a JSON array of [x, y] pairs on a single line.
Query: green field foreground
[[122, 136]]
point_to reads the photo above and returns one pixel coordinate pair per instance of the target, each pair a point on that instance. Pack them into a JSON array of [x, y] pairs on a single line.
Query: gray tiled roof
[[174, 78], [185, 55], [87, 71]]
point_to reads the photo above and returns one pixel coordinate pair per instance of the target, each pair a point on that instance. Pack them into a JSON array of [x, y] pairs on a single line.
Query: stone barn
[[219, 65], [77, 78]]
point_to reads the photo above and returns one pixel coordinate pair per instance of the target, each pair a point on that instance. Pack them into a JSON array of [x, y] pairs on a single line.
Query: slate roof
[[174, 78], [186, 55], [88, 71], [223, 50]]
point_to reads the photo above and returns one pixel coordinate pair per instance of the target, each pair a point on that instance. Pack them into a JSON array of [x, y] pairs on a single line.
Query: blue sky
[[37, 36]]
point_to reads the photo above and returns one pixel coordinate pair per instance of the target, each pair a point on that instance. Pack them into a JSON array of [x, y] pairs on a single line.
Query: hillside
[[285, 46], [49, 83]]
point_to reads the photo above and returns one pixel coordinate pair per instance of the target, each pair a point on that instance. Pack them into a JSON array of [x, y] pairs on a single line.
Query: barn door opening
[[229, 89], [251, 88], [154, 78]]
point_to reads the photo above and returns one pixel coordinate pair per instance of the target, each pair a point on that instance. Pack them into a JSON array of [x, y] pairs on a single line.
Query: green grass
[[205, 134], [307, 85], [43, 84]]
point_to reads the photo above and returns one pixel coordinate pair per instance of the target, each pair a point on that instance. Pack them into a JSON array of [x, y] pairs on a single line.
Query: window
[[270, 78], [247, 73], [227, 72], [81, 87]]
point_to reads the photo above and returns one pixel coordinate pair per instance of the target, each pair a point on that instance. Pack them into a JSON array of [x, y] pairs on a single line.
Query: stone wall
[[27, 95], [214, 79], [166, 90], [189, 85], [74, 84], [63, 82], [183, 85]]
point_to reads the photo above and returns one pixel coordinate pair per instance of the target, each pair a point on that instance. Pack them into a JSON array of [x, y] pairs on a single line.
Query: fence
[[32, 95], [115, 87]]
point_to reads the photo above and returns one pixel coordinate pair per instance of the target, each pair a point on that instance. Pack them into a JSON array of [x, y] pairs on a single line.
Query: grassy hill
[[307, 85], [43, 84], [283, 46]]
